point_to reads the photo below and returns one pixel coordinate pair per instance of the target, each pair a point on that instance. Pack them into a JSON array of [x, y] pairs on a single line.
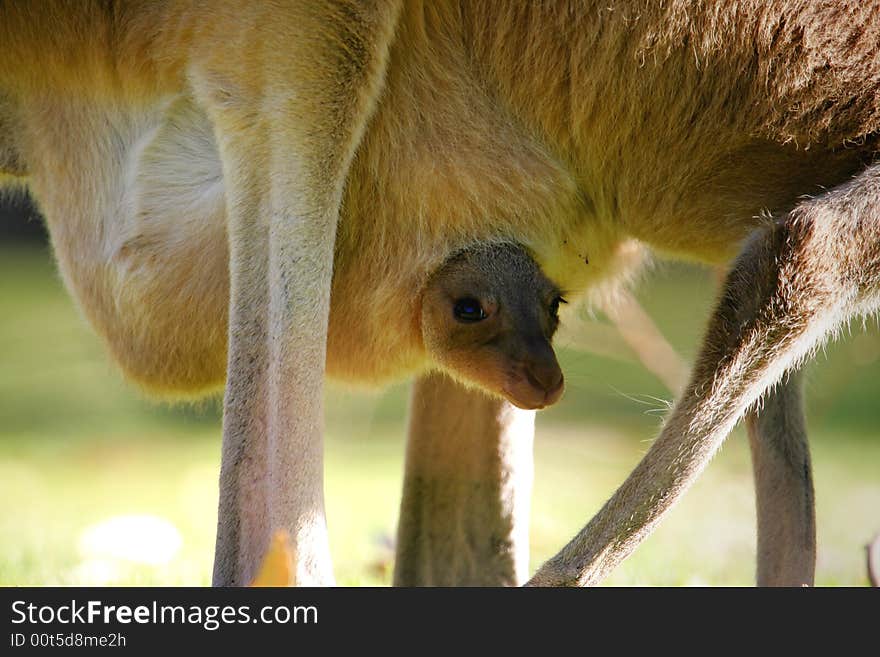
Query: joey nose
[[543, 373], [546, 376]]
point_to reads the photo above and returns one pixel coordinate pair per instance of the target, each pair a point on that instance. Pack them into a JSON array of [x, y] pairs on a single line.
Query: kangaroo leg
[[794, 285], [783, 488], [288, 119], [465, 509]]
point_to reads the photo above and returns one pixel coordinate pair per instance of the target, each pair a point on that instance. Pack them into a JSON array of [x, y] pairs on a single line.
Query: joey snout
[[535, 379]]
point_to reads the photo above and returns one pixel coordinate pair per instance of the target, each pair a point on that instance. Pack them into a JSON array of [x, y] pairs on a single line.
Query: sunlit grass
[[78, 448]]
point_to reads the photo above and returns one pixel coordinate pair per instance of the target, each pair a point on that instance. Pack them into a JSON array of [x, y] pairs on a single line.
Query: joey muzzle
[[536, 380]]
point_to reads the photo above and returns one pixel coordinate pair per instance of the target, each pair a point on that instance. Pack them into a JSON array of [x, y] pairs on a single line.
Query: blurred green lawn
[[78, 446]]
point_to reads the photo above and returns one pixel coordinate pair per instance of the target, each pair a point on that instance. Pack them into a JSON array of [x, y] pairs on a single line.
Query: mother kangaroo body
[[205, 168]]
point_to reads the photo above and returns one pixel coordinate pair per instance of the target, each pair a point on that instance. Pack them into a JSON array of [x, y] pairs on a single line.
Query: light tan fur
[[577, 129]]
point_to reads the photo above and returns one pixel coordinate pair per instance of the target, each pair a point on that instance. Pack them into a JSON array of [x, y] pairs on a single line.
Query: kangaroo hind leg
[[795, 284], [783, 487]]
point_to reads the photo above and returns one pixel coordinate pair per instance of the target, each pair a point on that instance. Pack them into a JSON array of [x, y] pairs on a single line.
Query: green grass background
[[79, 445]]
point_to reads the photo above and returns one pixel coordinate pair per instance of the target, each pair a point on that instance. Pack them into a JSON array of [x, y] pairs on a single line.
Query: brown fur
[[577, 129], [508, 352], [464, 513]]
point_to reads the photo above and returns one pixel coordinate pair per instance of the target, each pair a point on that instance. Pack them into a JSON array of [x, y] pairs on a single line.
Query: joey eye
[[468, 310], [554, 306]]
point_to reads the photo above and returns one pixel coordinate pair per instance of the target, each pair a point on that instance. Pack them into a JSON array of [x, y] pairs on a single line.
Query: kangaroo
[[585, 133]]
